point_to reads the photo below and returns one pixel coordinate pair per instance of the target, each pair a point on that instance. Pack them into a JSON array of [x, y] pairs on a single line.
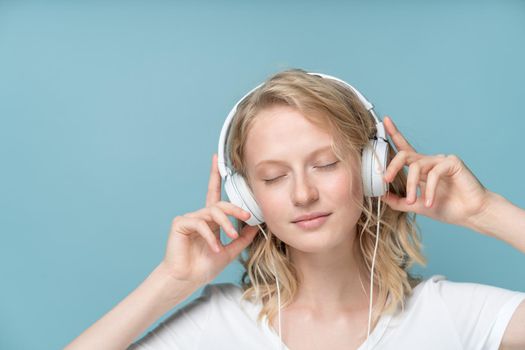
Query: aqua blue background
[[110, 113]]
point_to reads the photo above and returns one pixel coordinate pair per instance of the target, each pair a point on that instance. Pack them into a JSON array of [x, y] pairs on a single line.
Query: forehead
[[283, 132]]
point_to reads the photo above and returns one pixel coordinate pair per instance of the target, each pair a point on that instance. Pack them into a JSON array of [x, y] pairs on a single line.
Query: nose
[[304, 191]]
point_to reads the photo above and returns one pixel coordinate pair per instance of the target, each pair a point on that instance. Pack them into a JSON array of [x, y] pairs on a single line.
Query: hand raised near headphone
[[449, 191], [194, 252]]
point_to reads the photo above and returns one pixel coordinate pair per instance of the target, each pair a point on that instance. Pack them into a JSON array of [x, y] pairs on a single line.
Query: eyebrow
[[273, 161]]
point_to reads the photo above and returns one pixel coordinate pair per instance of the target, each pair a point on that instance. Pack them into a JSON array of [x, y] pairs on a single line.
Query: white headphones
[[372, 172]]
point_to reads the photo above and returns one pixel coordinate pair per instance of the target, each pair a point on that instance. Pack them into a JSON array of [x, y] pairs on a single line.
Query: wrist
[[170, 291], [486, 220]]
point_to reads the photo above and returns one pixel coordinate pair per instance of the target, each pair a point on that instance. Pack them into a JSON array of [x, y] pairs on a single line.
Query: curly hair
[[333, 107]]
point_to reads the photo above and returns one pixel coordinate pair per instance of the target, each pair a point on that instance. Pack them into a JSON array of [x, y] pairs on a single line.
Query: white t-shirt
[[440, 314]]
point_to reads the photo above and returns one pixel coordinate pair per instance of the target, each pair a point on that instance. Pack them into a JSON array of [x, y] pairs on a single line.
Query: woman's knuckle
[[216, 213], [414, 166], [224, 206], [201, 223]]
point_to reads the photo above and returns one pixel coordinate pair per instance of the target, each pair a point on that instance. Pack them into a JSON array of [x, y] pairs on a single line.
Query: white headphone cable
[[372, 273], [279, 303]]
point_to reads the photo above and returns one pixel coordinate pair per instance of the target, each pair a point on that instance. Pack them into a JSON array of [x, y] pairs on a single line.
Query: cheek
[[344, 187], [346, 196], [271, 202]]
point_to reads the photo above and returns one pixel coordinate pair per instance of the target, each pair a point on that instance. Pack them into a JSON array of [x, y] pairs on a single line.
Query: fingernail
[[428, 202]]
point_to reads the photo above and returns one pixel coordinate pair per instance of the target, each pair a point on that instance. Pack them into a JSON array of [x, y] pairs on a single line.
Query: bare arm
[[501, 219], [132, 316]]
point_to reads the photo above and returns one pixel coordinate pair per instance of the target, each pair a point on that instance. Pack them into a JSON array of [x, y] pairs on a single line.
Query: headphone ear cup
[[239, 194], [373, 166]]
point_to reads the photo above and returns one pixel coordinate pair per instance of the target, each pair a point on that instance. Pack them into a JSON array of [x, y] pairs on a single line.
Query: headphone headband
[[223, 157]]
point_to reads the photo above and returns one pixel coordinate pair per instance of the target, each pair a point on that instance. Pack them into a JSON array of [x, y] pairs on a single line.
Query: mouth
[[313, 223]]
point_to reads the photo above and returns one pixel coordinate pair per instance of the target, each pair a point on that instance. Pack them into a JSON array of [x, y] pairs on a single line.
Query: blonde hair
[[335, 108]]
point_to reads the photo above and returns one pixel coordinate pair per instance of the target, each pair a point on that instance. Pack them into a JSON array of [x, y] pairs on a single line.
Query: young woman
[[316, 235]]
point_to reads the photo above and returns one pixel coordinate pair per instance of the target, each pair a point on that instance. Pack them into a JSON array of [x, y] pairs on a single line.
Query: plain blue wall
[[110, 112]]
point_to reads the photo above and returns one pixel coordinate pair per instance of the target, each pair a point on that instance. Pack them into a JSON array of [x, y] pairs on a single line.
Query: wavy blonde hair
[[334, 108]]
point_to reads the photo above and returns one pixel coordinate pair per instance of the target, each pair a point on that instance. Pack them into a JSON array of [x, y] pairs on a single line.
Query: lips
[[312, 224], [310, 216]]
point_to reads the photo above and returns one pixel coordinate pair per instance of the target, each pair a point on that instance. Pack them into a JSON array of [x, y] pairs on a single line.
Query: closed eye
[[272, 180], [328, 166]]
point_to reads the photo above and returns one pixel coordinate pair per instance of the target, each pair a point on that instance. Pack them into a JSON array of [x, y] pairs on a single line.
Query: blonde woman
[[326, 265]]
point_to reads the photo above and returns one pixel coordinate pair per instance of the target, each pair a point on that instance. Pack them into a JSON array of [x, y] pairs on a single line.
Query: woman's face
[[306, 177]]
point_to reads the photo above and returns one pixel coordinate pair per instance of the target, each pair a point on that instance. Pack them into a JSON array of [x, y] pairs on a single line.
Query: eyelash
[[328, 166]]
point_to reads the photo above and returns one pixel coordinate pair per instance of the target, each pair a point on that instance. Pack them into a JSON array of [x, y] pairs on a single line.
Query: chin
[[315, 241], [314, 248]]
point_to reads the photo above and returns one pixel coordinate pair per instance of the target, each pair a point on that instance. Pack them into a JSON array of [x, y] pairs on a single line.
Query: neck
[[333, 280]]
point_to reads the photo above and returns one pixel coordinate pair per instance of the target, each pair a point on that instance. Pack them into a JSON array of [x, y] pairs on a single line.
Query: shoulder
[[471, 306], [425, 287], [445, 288], [462, 300], [221, 295], [455, 291], [227, 299], [212, 296], [228, 291]]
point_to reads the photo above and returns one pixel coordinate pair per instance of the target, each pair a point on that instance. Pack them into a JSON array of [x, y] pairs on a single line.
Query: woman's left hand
[[449, 191]]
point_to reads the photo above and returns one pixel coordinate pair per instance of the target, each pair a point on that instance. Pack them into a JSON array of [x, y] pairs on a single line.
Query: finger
[[205, 215], [405, 158], [214, 184], [189, 225], [399, 203], [227, 208], [422, 188], [396, 136], [397, 163], [432, 181], [417, 176], [234, 210], [221, 218], [412, 181]]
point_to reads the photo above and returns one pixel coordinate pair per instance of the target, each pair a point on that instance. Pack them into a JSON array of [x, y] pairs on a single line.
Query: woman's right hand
[[190, 256]]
